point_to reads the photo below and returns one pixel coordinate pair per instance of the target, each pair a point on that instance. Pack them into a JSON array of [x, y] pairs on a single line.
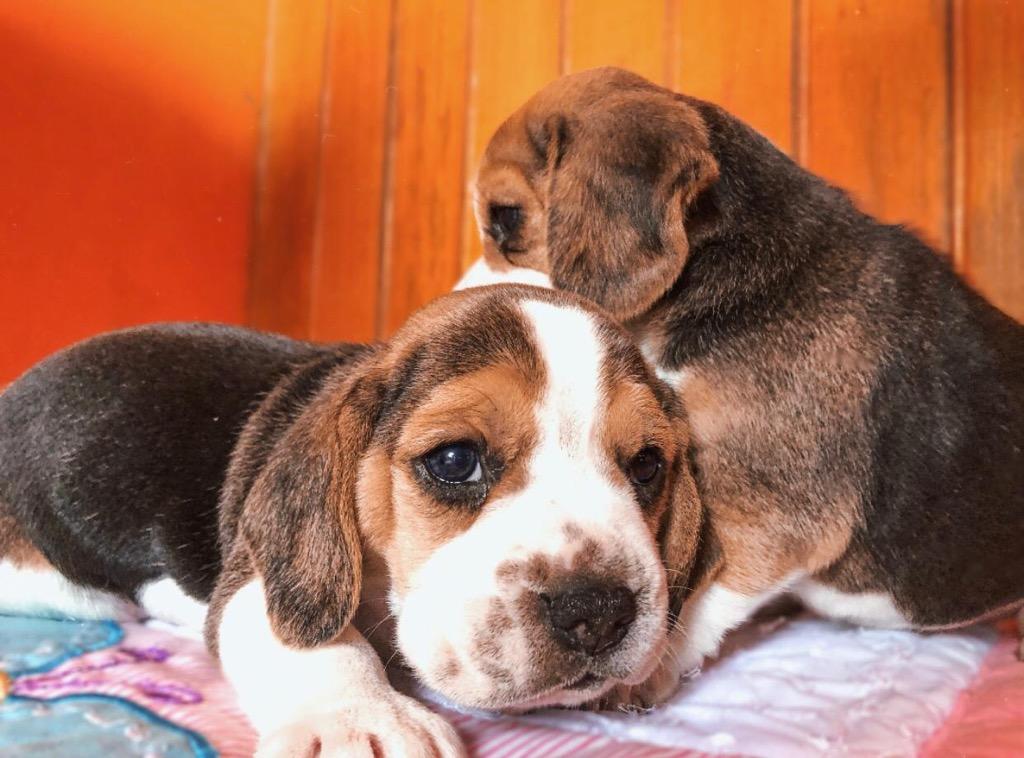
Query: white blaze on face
[[569, 485]]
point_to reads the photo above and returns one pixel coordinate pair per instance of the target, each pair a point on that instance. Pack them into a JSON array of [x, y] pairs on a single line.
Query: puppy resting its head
[[523, 463]]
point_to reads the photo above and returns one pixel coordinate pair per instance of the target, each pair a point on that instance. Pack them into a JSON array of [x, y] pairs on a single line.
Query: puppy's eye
[[645, 466], [505, 222], [455, 463]]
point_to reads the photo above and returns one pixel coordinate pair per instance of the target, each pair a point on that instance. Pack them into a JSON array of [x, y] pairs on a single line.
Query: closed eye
[[504, 223]]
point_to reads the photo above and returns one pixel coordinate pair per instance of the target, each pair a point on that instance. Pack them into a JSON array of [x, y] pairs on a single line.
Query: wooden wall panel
[[160, 145], [347, 248], [990, 121], [515, 52], [128, 133], [288, 182], [740, 56], [424, 211], [631, 34], [875, 106]]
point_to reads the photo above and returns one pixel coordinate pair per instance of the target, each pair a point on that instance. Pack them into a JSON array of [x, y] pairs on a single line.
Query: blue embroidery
[[34, 645]]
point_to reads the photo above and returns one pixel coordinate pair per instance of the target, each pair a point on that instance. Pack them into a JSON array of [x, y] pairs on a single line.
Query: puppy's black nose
[[592, 619]]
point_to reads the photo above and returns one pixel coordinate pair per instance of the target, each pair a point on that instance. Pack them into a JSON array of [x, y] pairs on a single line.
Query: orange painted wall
[[128, 140]]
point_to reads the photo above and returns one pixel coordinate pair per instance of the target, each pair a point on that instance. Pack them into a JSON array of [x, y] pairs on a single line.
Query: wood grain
[[347, 251], [877, 107], [424, 219], [631, 34], [515, 53], [288, 182], [740, 56], [990, 104]]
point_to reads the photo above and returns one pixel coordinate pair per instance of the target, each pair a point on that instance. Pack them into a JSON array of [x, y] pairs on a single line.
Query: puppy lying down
[[504, 483]]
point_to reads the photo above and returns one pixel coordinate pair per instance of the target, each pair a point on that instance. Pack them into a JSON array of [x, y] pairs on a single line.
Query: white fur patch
[[46, 592], [481, 274], [864, 608], [166, 601], [707, 618]]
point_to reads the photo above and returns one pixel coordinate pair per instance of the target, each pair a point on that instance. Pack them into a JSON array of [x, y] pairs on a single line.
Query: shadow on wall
[[120, 203]]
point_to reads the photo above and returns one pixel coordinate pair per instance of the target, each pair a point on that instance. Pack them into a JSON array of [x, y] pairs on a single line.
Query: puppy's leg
[[333, 700], [43, 591], [165, 600], [31, 586]]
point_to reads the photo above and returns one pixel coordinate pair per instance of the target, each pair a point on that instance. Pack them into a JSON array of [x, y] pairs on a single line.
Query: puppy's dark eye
[[505, 222], [455, 463], [645, 466]]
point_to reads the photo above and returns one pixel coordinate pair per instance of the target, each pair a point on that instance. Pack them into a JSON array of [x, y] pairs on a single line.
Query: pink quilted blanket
[[793, 688]]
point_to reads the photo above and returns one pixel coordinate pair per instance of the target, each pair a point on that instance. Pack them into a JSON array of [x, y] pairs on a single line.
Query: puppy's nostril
[[593, 619]]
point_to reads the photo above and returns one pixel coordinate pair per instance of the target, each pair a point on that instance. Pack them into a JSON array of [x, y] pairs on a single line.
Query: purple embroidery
[[87, 676], [152, 654], [168, 692]]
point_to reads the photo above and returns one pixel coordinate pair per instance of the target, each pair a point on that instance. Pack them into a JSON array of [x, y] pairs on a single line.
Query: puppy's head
[[520, 472], [600, 182]]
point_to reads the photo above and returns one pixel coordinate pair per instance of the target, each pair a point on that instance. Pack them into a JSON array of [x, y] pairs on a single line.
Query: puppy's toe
[[390, 727]]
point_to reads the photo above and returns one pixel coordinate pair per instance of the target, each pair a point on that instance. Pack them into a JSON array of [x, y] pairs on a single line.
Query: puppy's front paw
[[390, 727]]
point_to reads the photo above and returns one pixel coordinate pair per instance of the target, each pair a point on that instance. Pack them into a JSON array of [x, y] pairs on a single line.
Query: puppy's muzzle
[[592, 619]]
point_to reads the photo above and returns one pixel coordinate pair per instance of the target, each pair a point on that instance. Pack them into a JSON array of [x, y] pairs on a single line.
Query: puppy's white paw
[[389, 727]]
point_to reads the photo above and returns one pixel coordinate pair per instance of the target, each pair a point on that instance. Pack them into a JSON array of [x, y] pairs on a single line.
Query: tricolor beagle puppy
[[505, 481], [857, 412]]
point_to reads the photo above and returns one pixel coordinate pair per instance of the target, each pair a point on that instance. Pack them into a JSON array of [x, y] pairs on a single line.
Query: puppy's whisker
[[379, 624]]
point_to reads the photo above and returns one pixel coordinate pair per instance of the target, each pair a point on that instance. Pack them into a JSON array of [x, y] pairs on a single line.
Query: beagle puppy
[[857, 411], [496, 493]]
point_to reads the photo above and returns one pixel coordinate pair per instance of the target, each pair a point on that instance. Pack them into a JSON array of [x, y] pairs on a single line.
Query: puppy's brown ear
[[299, 521], [680, 535], [628, 192]]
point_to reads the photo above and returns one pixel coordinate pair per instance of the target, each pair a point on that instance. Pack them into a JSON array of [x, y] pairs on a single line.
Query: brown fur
[[585, 251]]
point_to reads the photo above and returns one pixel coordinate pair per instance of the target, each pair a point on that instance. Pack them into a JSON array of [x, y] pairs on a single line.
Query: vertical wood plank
[[515, 53], [615, 33], [990, 104], [738, 55], [347, 252], [878, 107], [280, 273], [424, 221]]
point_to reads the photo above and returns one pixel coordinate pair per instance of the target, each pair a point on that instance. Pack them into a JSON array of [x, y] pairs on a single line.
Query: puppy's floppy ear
[[680, 535], [299, 521], [680, 530], [628, 193]]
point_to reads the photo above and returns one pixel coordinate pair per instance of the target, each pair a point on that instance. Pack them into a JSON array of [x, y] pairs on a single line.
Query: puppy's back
[[113, 451]]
